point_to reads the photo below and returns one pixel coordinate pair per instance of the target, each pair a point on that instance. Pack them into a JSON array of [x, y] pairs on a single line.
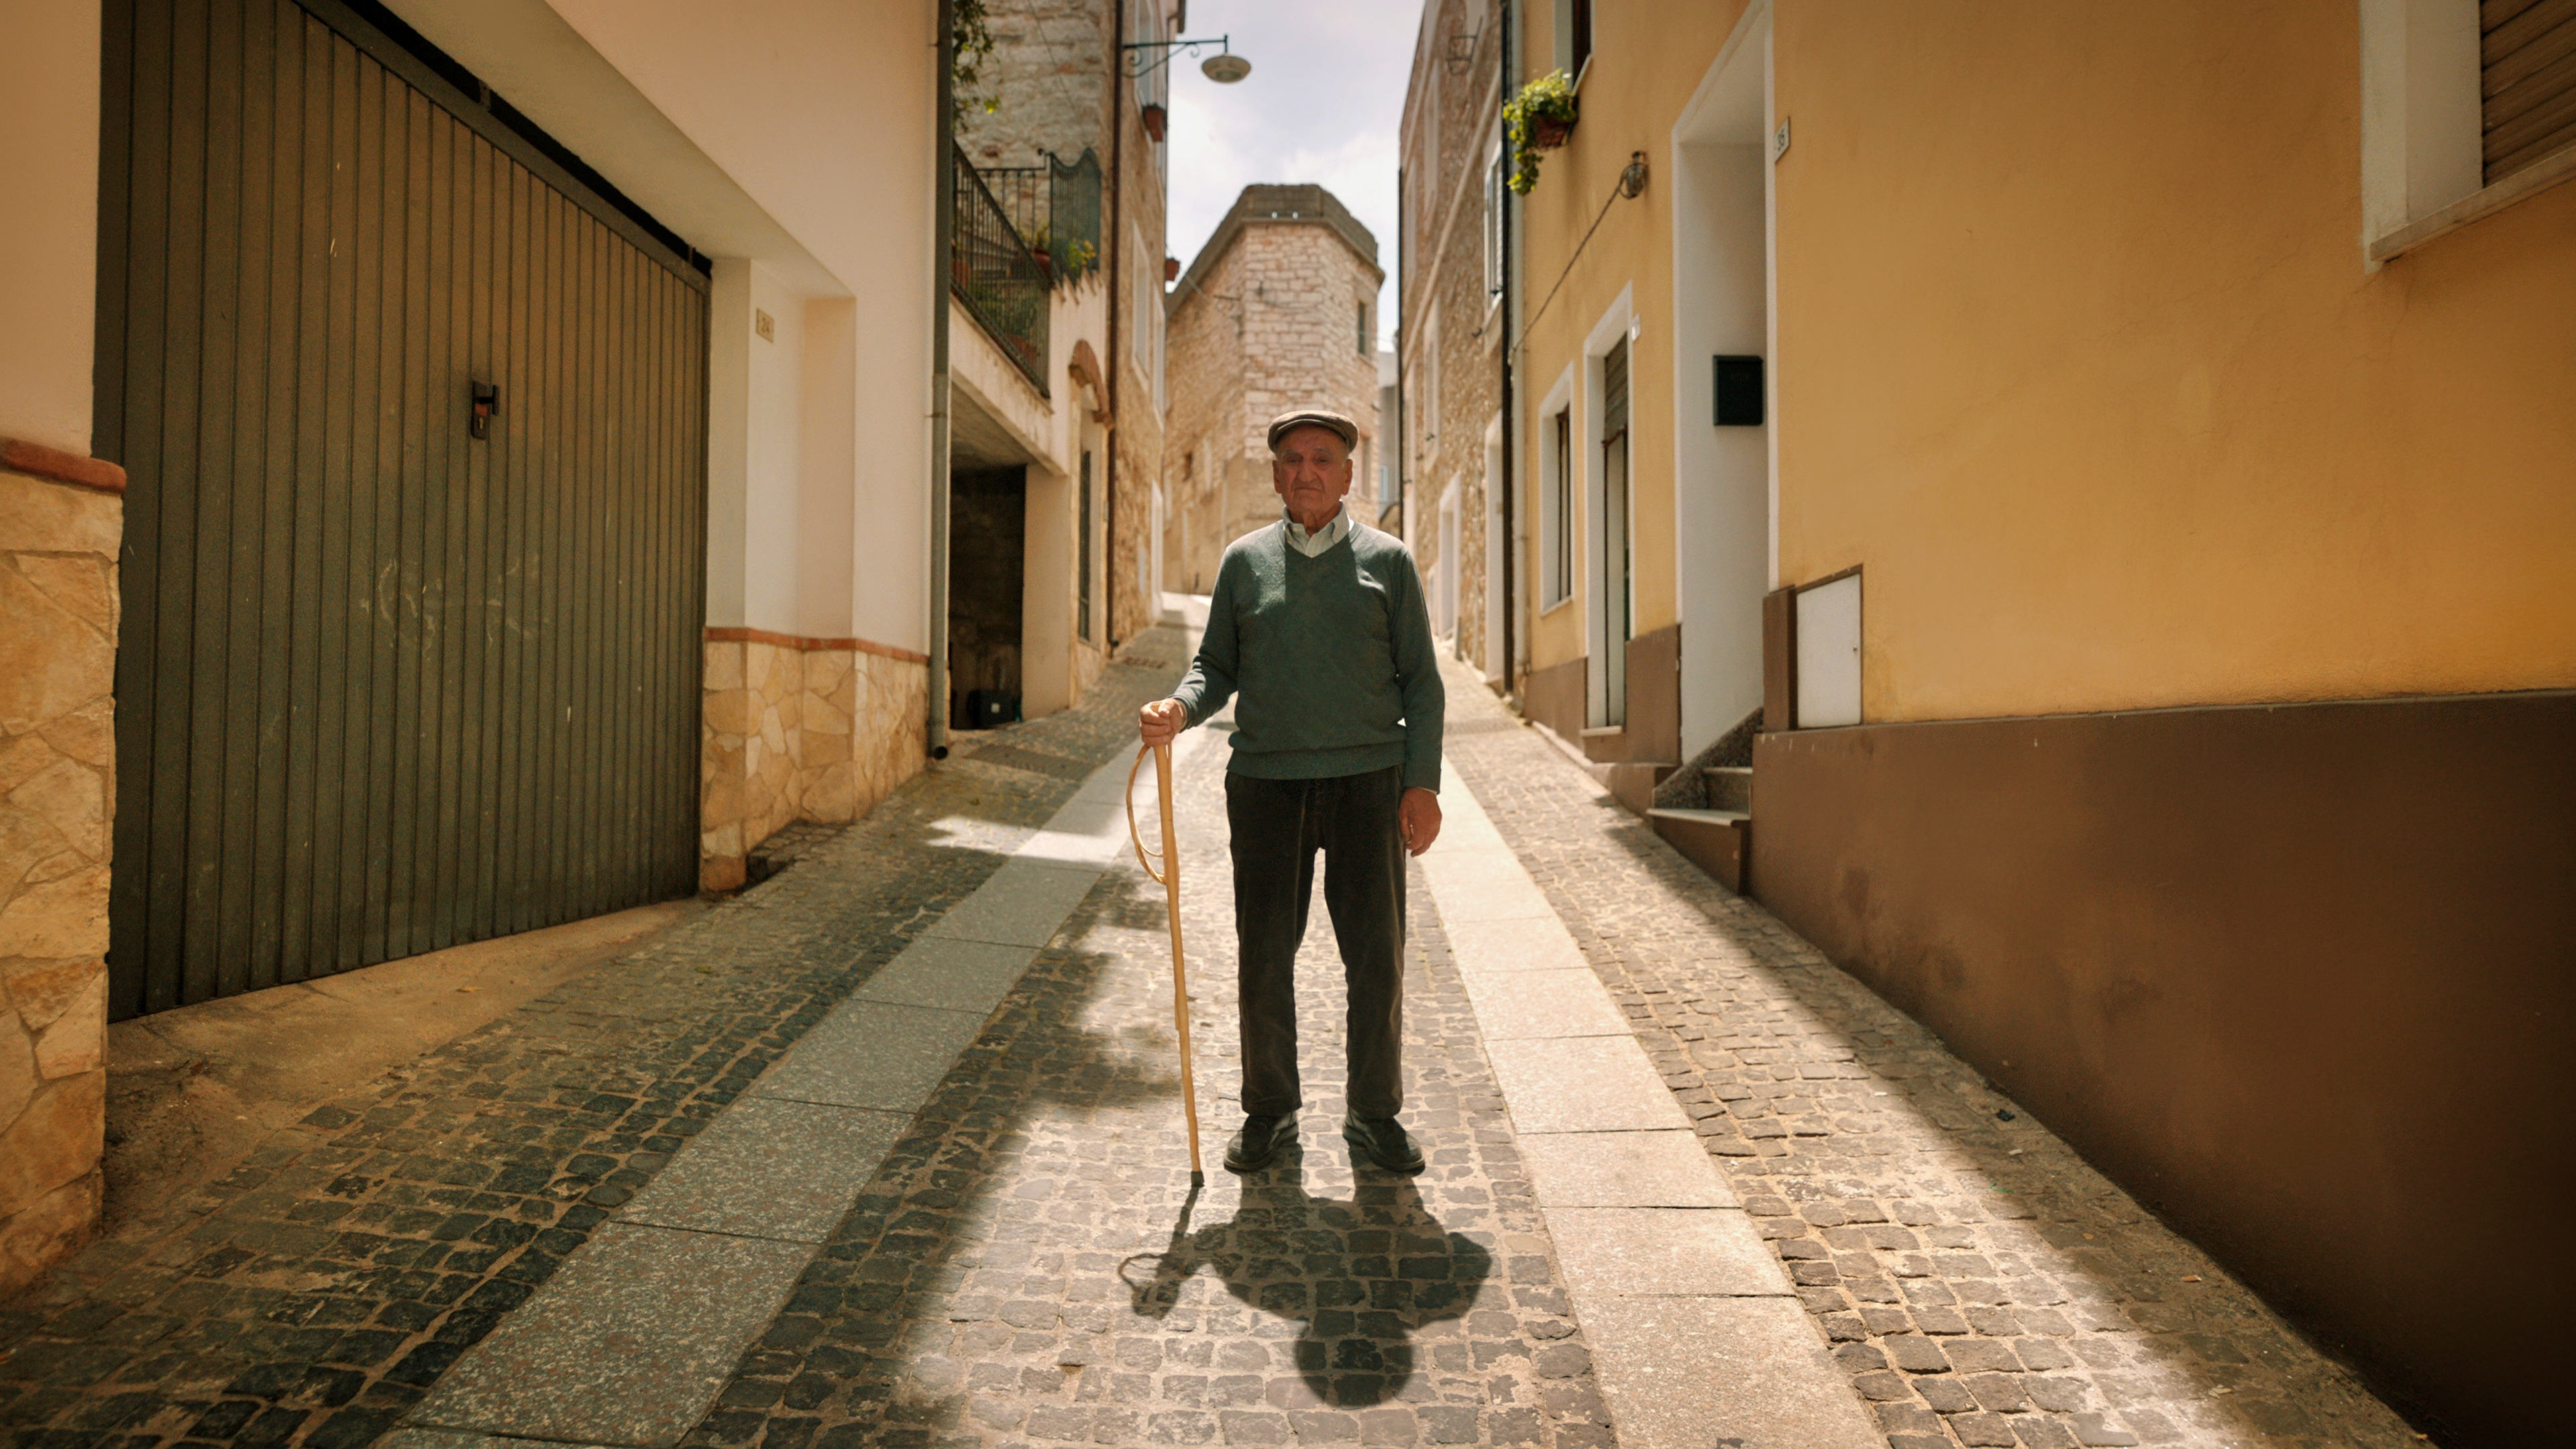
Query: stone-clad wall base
[[889, 729], [794, 733], [748, 732], [58, 614]]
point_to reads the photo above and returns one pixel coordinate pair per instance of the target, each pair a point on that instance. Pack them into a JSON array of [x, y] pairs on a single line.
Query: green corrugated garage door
[[383, 686]]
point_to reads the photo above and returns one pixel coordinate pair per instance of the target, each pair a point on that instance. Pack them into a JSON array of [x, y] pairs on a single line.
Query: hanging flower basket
[[1541, 118]]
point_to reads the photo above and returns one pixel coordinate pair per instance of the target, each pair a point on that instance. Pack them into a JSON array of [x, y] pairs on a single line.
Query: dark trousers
[[1278, 826]]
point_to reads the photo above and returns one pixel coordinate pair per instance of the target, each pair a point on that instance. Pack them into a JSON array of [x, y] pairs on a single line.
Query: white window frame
[[1495, 545], [1618, 322], [1559, 557], [1445, 568], [2422, 172], [1426, 369]]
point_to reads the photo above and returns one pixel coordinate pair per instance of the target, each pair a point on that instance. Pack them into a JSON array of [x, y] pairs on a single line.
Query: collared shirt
[[1312, 545]]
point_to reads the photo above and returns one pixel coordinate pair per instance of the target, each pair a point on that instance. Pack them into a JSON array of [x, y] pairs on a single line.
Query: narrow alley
[[1929, 641], [889, 1150]]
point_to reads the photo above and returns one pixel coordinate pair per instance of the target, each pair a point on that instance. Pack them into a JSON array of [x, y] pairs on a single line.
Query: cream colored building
[[505, 495], [1277, 311]]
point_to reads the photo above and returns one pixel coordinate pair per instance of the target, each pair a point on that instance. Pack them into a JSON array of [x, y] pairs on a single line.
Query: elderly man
[[1318, 626]]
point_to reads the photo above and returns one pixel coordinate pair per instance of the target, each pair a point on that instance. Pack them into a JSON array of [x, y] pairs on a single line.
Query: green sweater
[[1332, 658]]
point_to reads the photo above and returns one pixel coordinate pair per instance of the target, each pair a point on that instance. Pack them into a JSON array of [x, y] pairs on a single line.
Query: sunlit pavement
[[891, 1150]]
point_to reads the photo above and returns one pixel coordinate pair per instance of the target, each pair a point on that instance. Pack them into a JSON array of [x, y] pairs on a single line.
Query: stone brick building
[[1450, 328], [1054, 465], [1277, 311]]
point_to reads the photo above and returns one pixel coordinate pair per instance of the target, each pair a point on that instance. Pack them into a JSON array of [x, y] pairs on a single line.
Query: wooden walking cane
[[1169, 877]]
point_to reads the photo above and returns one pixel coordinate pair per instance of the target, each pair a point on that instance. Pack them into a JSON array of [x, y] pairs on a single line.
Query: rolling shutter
[[2526, 81], [389, 679]]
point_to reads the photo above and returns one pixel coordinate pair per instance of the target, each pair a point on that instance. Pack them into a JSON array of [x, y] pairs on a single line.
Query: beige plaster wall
[[2104, 400], [49, 250], [58, 598]]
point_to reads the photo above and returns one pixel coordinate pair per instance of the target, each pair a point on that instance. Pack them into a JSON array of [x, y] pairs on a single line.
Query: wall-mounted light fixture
[[1225, 67]]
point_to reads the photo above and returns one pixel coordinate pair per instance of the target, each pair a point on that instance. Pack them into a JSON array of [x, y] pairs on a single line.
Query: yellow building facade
[[2150, 553]]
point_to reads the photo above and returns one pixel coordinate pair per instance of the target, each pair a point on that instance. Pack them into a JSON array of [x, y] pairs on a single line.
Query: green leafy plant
[[1067, 257], [971, 39], [1539, 119]]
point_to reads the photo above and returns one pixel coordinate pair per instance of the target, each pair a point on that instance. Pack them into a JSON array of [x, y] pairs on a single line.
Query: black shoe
[[1382, 1140], [1258, 1142]]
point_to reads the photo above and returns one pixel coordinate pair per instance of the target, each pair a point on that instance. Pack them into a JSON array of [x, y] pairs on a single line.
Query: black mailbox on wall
[[1739, 392]]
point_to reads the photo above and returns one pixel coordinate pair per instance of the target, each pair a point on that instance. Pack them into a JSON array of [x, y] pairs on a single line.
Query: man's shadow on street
[[1358, 1276]]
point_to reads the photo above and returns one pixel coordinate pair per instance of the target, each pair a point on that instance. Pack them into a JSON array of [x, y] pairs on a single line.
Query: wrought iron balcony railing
[[1002, 283], [1055, 207]]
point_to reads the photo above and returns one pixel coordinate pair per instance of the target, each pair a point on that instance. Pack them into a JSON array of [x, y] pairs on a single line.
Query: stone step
[[1730, 787], [1632, 782], [1717, 841]]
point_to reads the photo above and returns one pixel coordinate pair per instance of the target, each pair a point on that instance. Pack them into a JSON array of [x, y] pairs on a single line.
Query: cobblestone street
[[1012, 1253], [1981, 1283], [1031, 1263]]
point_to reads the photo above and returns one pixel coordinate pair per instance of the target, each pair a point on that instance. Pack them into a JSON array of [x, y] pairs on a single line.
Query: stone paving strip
[[1697, 1336], [317, 1293], [1981, 1283], [1031, 1265], [630, 1343]]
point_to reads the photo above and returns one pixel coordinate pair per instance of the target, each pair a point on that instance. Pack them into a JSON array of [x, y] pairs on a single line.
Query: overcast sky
[[1321, 104]]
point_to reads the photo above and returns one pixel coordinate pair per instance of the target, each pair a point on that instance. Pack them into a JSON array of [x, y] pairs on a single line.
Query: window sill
[[2476, 206], [1559, 605]]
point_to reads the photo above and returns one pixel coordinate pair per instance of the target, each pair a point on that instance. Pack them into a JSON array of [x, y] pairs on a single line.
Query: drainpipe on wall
[[1116, 244], [943, 241], [1511, 424], [1403, 436]]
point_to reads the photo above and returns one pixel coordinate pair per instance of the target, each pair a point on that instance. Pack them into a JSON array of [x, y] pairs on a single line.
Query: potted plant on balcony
[[1540, 118]]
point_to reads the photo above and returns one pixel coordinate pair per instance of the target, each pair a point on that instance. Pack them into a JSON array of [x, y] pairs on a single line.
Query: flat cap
[[1341, 427]]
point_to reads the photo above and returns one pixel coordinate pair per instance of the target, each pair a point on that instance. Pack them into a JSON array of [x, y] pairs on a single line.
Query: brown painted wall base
[[2301, 978], [1553, 696], [1715, 846], [1654, 733], [1558, 697]]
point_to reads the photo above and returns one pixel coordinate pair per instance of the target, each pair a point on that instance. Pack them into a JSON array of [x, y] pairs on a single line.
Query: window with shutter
[[2526, 82], [2468, 107], [1573, 36], [1560, 573]]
